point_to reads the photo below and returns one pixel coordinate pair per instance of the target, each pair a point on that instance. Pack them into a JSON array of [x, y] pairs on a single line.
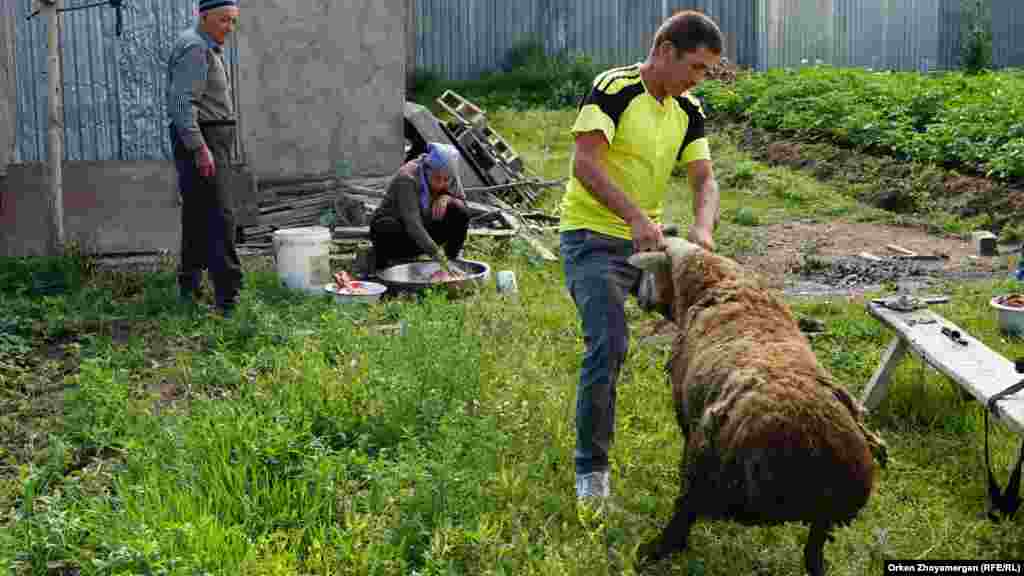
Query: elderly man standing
[[202, 131], [633, 126]]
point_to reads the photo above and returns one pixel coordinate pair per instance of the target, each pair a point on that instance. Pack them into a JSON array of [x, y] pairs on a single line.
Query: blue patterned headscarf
[[438, 157]]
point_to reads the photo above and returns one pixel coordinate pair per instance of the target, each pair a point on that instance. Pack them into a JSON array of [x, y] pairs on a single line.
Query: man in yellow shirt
[[633, 126]]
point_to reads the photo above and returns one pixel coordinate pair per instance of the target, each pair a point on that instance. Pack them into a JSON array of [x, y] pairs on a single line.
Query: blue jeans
[[599, 279]]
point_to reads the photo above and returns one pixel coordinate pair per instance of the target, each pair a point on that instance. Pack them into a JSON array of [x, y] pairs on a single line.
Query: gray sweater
[[198, 85]]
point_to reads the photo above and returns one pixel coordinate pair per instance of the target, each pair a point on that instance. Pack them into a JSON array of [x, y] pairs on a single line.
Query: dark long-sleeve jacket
[[403, 204]]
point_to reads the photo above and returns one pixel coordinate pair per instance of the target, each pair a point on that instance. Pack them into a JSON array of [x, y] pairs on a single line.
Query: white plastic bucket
[[506, 282], [303, 257]]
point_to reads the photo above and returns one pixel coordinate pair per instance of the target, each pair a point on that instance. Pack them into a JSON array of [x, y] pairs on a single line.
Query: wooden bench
[[976, 368]]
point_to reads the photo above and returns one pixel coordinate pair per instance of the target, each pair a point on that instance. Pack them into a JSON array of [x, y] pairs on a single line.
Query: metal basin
[[415, 276]]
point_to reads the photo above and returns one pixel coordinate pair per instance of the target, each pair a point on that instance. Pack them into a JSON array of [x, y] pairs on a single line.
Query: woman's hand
[[440, 207]]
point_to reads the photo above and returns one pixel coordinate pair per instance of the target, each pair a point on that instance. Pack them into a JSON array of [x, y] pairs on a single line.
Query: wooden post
[[55, 155], [879, 384]]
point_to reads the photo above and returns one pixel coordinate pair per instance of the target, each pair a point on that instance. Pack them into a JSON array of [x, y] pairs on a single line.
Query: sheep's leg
[[814, 551], [674, 537]]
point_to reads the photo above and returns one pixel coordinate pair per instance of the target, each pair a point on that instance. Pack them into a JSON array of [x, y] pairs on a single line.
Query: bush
[[976, 48], [529, 78]]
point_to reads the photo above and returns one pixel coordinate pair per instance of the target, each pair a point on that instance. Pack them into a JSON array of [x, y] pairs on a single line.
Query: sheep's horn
[[680, 248], [649, 261], [652, 261]]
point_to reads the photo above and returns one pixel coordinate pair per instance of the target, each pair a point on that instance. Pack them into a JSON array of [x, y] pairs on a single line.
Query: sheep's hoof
[[649, 553], [814, 561], [655, 551], [814, 550], [817, 570]]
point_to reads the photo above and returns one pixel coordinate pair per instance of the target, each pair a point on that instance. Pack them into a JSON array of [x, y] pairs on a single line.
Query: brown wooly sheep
[[770, 436]]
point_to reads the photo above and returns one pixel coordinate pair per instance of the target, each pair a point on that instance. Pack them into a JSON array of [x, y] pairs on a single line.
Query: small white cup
[[506, 282]]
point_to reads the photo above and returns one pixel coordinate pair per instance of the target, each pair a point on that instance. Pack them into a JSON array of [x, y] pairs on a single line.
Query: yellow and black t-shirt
[[646, 139]]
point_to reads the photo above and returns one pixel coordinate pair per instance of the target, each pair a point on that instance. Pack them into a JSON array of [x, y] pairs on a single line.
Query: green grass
[[299, 437]]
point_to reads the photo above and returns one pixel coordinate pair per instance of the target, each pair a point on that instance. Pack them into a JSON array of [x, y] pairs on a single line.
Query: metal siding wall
[[114, 106], [461, 39], [8, 86], [737, 19], [949, 34], [1007, 33], [879, 34]]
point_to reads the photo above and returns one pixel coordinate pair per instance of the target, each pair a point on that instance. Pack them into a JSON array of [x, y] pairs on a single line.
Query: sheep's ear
[[650, 261]]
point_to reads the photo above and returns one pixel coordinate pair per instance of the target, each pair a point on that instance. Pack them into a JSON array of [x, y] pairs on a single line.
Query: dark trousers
[[391, 241], [207, 219], [599, 279]]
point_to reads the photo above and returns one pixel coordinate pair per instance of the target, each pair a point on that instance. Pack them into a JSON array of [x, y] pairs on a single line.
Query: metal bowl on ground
[[363, 293], [415, 276]]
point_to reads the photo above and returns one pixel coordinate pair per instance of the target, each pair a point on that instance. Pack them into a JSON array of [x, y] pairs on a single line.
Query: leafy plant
[[955, 119], [746, 217], [976, 48]]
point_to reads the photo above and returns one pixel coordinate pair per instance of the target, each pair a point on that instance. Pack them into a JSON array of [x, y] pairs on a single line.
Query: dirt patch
[[784, 247], [959, 185], [887, 182]]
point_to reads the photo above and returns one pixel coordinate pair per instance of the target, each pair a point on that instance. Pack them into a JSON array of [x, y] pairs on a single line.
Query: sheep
[[770, 436]]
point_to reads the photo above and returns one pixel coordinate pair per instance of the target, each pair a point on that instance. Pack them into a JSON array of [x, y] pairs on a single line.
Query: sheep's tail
[[876, 444]]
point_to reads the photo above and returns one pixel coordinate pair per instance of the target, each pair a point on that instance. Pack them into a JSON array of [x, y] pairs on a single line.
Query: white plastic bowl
[[373, 293], [1011, 319]]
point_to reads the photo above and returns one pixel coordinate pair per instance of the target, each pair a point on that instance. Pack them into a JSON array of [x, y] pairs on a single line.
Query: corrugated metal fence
[[881, 34], [114, 86], [460, 39], [1008, 32]]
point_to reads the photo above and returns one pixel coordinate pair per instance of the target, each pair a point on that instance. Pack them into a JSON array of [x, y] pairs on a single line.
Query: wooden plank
[[351, 232], [975, 367], [870, 256], [510, 221], [355, 232], [538, 247], [282, 181], [305, 189], [325, 202], [900, 250], [879, 383], [492, 233], [516, 184], [291, 219]]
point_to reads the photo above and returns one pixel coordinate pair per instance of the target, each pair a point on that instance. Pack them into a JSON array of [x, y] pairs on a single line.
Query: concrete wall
[[322, 81], [108, 207], [410, 42], [8, 85]]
